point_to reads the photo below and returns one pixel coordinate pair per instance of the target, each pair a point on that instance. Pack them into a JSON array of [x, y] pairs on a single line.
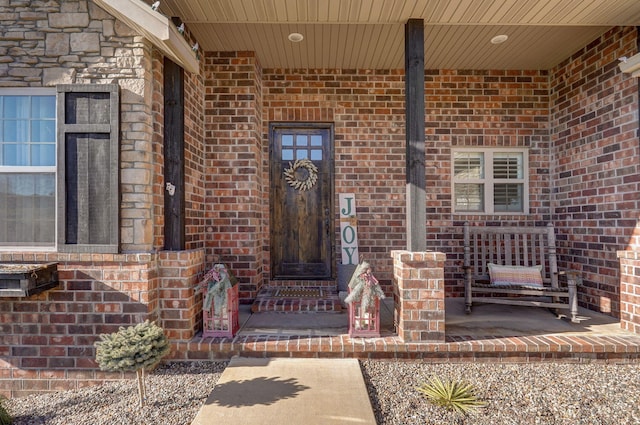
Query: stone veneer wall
[[76, 42], [596, 165]]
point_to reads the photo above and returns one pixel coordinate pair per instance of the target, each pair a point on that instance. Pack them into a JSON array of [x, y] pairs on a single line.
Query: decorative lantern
[[364, 303], [220, 304]]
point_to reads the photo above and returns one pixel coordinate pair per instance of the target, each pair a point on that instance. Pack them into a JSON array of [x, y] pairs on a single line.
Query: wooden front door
[[301, 171]]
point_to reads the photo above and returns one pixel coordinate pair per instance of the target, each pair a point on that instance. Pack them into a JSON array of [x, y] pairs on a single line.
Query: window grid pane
[[28, 199], [24, 120], [27, 209], [502, 188], [469, 197], [468, 165], [301, 146], [507, 166], [507, 197]]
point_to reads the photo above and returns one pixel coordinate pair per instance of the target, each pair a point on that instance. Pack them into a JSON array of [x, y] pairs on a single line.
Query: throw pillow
[[515, 275]]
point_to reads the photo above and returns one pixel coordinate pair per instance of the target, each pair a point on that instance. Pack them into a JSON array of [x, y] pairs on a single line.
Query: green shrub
[[453, 395], [135, 348], [5, 417]]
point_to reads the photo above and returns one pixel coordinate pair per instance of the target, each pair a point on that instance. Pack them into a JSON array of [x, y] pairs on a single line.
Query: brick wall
[[47, 340], [195, 172], [233, 161], [367, 108], [495, 108], [596, 167], [180, 308], [463, 108], [630, 290], [157, 147]]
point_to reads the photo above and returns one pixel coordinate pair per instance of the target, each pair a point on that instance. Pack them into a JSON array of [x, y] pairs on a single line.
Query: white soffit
[[156, 28]]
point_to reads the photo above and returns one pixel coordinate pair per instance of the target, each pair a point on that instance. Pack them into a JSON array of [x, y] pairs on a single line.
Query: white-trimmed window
[[27, 168], [492, 181], [59, 158]]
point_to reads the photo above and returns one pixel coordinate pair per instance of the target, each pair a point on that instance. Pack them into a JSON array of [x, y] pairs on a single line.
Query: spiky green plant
[[135, 348], [5, 417], [453, 395]]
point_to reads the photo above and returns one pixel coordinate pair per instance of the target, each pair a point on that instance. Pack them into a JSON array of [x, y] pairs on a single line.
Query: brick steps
[[471, 348], [297, 299]]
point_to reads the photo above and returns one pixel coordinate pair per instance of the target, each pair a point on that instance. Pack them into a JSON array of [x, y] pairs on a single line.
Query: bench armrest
[[572, 275]]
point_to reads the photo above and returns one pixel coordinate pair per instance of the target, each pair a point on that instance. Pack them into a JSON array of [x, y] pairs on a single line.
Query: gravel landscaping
[[543, 393]]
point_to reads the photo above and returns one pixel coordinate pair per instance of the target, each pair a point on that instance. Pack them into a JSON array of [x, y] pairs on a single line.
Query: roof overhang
[[369, 34], [156, 28]]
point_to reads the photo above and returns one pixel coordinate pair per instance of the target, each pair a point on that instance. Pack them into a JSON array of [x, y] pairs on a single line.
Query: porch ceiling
[[370, 33]]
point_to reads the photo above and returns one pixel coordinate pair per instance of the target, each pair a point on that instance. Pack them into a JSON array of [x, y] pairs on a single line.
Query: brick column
[[180, 307], [630, 290], [418, 286]]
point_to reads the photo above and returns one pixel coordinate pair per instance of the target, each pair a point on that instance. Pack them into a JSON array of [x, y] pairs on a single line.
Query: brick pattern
[[326, 300], [464, 108], [630, 290], [595, 167], [195, 171], [419, 295], [234, 232], [180, 308], [49, 337], [483, 108], [367, 108], [194, 191], [157, 148], [484, 348]]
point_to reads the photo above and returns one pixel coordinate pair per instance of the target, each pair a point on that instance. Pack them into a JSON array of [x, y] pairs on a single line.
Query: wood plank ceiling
[[369, 34]]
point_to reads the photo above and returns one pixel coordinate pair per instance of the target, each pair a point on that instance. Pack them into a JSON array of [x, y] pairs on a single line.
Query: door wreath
[[301, 184]]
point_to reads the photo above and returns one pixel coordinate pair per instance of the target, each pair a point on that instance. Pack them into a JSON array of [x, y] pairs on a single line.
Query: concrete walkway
[[288, 391]]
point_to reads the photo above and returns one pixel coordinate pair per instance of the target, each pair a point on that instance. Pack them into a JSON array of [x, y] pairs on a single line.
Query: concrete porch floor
[[491, 333]]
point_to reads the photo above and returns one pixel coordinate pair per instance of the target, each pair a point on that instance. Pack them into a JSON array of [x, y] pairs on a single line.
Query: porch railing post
[[418, 279]]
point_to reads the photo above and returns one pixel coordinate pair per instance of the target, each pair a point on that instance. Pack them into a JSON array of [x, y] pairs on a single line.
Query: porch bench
[[523, 250]]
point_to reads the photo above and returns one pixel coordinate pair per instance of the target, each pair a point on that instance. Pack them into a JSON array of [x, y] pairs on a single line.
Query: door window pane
[[287, 154], [302, 140], [287, 140], [316, 140]]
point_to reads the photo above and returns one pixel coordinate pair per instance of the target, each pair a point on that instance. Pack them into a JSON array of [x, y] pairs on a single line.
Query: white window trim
[[489, 181], [33, 91]]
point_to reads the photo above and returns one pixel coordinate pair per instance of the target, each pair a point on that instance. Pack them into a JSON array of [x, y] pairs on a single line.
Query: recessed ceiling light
[[295, 37], [498, 39]]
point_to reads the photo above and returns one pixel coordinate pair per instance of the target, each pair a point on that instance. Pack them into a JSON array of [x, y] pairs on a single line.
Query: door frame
[[329, 126]]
